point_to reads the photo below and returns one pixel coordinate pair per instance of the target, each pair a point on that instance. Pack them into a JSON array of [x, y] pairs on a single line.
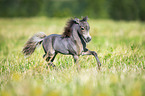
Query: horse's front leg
[[76, 61], [88, 52]]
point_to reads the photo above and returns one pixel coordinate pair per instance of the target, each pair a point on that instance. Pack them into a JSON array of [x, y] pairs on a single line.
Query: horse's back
[[49, 41], [56, 43], [51, 37]]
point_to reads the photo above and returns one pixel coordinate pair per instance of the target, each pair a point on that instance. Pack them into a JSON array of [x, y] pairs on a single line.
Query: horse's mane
[[68, 30]]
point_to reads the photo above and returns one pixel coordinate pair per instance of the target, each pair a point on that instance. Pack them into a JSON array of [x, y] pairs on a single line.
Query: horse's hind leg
[[53, 57], [49, 51], [50, 59]]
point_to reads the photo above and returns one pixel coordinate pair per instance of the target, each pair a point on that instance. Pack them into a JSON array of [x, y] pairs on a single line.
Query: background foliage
[[114, 9]]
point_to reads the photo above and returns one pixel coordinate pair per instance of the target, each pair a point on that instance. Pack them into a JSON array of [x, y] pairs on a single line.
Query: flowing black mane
[[67, 30]]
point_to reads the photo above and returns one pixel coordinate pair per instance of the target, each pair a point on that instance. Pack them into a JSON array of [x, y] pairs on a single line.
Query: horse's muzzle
[[88, 39]]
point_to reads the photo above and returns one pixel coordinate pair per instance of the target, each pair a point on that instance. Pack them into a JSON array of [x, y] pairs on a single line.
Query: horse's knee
[[94, 53], [48, 59], [50, 56]]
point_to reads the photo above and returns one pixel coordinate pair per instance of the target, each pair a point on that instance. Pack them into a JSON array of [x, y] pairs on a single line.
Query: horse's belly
[[61, 46]]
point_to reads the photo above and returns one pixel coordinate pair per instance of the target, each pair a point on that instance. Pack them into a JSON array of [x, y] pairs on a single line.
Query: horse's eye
[[82, 28]]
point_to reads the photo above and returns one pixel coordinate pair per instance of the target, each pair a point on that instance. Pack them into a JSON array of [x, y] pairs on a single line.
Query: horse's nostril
[[88, 39]]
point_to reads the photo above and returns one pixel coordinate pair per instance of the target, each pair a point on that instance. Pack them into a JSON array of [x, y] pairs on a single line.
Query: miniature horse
[[71, 42]]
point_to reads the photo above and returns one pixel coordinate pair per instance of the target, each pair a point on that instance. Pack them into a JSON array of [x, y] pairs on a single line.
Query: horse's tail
[[33, 42]]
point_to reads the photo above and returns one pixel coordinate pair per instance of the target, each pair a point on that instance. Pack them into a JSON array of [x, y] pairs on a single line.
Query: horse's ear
[[85, 18], [76, 20]]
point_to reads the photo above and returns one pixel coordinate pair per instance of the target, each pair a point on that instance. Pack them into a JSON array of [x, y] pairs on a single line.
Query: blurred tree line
[[114, 9]]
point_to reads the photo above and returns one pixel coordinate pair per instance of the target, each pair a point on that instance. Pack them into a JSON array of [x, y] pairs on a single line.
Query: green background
[[112, 9]]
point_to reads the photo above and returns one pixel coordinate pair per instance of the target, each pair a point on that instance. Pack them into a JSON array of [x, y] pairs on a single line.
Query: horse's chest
[[79, 49], [75, 49]]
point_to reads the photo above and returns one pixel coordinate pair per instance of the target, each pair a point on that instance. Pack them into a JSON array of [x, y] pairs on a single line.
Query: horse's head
[[84, 28]]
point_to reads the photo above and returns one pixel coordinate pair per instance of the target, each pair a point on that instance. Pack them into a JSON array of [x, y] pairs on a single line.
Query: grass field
[[120, 46]]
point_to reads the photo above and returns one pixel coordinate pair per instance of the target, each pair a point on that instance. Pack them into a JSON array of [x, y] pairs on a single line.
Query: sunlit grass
[[120, 46]]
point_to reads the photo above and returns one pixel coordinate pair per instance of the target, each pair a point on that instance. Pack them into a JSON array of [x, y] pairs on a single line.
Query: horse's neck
[[75, 35], [75, 38]]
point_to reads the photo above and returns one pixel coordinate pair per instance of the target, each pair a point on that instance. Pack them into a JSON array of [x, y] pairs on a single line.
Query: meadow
[[120, 46]]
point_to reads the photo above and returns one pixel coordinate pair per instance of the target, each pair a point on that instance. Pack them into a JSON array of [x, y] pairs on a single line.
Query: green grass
[[120, 46]]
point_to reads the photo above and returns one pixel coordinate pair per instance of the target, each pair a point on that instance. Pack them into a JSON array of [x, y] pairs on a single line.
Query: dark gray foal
[[71, 42]]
